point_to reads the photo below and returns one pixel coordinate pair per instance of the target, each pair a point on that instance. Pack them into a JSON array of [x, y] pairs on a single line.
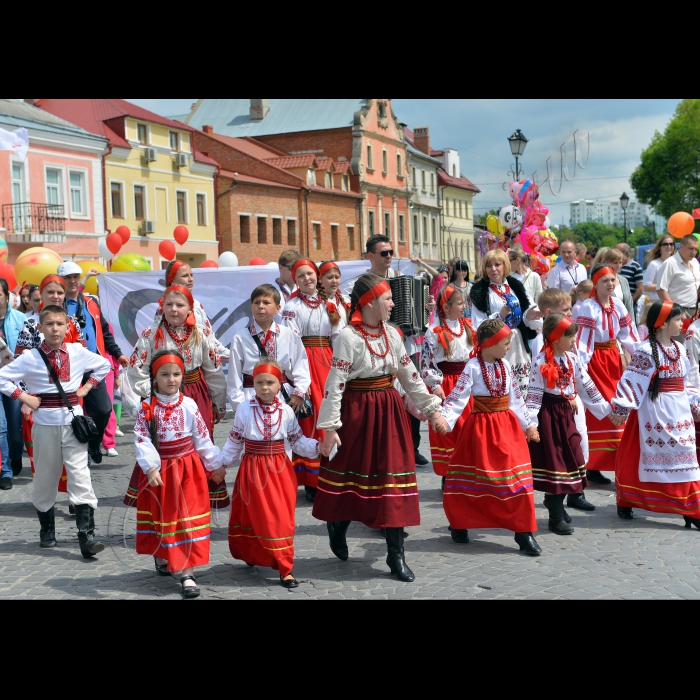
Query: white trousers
[[54, 446]]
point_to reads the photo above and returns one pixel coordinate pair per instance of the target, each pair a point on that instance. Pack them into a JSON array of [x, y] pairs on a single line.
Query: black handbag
[[84, 427], [307, 410]]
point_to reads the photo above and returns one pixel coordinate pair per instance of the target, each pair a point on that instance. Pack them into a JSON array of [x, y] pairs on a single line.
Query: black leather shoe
[[95, 454], [395, 558], [578, 502], [162, 569], [596, 477], [420, 460], [689, 522], [336, 536], [460, 536], [442, 488], [625, 513], [16, 466], [85, 520], [189, 592], [528, 544], [5, 483], [310, 493], [48, 529], [289, 583], [557, 522]]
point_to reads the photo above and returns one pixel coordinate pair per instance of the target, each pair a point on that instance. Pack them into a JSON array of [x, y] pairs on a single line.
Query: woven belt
[[666, 385], [263, 447], [316, 341], [193, 377], [176, 448], [491, 404], [610, 345], [452, 368], [382, 383], [249, 383], [55, 400]]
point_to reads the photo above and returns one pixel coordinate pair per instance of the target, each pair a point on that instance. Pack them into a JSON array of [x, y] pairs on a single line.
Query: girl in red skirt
[[657, 466], [204, 381], [603, 321], [445, 353], [489, 481], [557, 379], [330, 276], [372, 479], [261, 526], [173, 449], [316, 319]]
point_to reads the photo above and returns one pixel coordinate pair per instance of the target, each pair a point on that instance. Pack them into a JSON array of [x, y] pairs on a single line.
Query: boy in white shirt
[[54, 441]]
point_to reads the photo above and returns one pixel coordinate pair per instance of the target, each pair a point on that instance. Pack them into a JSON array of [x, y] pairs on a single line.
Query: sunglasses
[[386, 253], [668, 245]]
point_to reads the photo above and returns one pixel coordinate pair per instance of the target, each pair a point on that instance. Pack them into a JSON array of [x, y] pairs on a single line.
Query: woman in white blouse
[[664, 248]]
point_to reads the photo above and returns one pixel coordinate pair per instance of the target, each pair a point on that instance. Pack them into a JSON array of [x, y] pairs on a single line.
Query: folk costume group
[[322, 388]]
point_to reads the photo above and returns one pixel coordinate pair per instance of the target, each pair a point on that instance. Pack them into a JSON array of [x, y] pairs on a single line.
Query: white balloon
[[273, 265], [547, 223], [228, 259], [104, 251]]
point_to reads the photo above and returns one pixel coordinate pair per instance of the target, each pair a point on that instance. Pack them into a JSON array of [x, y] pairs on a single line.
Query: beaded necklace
[[366, 337], [607, 314], [170, 407], [669, 357], [499, 387], [454, 333], [566, 377], [501, 294], [311, 302], [179, 342], [268, 412]]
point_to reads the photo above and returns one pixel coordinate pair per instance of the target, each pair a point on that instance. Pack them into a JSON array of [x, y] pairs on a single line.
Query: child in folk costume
[[498, 295], [602, 322], [558, 379], [445, 353], [489, 480], [657, 465], [55, 443], [317, 321], [173, 449], [204, 381], [273, 341], [372, 479], [261, 526], [330, 276], [579, 294]]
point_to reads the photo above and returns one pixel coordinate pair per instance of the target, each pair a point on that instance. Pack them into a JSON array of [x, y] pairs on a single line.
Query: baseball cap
[[68, 268]]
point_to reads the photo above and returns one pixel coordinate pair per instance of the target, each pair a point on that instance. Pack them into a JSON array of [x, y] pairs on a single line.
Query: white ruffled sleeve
[[208, 452], [147, 456]]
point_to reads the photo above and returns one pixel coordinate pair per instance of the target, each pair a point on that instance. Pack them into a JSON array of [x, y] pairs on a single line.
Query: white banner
[[17, 141]]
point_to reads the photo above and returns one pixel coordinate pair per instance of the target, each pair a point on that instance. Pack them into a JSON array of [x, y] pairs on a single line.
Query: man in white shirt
[[680, 276], [568, 273]]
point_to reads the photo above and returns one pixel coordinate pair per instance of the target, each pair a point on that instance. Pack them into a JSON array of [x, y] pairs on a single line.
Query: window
[[53, 186], [334, 241], [447, 206], [413, 178], [262, 230], [277, 232], [311, 178], [346, 183], [402, 229], [201, 210], [351, 238], [139, 202], [434, 232], [432, 183], [142, 133], [422, 180], [387, 224], [371, 223], [78, 200], [291, 232], [454, 171], [317, 237], [117, 200], [174, 141], [370, 158], [399, 165], [182, 207], [416, 230], [17, 183], [425, 230], [245, 229], [385, 162], [329, 181]]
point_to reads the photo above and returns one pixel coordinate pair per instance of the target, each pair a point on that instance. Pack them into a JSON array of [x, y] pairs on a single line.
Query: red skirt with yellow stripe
[[27, 423], [605, 369], [173, 521], [261, 525]]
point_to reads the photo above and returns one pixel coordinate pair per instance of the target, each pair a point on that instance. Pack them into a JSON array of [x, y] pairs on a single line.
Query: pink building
[[54, 198]]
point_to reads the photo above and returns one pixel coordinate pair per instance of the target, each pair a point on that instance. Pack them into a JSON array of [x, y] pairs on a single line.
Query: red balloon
[[8, 273], [114, 243], [125, 234], [257, 261], [167, 250], [181, 234], [209, 263]]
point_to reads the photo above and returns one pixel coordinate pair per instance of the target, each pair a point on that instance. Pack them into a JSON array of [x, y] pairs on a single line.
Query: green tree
[[668, 178]]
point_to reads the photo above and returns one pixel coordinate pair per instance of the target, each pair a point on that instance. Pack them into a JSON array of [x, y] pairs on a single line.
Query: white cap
[[68, 268]]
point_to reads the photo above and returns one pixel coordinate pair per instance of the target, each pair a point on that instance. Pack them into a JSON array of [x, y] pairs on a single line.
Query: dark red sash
[[177, 448], [452, 368], [676, 384], [55, 400], [264, 447]]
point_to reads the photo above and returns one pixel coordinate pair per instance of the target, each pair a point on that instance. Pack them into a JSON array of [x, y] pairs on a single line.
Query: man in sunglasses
[[99, 339]]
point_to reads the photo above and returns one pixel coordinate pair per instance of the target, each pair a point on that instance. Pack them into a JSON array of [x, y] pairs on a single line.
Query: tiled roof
[[289, 162], [341, 167], [256, 180], [324, 163], [460, 182]]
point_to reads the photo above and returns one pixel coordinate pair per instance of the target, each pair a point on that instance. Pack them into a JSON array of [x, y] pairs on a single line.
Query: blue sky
[[619, 131]]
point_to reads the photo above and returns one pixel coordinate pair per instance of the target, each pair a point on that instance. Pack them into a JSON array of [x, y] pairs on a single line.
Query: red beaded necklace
[[498, 388], [169, 407], [176, 339], [311, 302], [454, 333], [668, 357], [501, 294], [607, 314], [268, 412], [366, 337], [566, 377]]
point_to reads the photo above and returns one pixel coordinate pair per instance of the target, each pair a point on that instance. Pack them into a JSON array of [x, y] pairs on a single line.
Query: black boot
[[310, 493], [460, 536], [48, 529], [625, 513], [395, 559], [85, 520], [579, 502], [689, 522], [567, 517], [16, 466], [442, 488], [528, 544], [336, 535], [596, 477], [557, 521]]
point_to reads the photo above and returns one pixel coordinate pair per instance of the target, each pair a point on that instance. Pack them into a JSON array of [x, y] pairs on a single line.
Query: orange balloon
[[681, 224]]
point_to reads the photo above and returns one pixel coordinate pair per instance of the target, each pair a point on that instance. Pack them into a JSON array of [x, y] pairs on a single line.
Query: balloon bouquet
[[523, 224]]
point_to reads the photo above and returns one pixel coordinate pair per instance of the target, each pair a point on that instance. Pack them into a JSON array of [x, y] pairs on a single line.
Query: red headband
[[663, 314], [446, 296], [52, 278], [267, 369], [173, 271], [493, 340], [549, 369], [182, 290], [559, 330], [601, 273], [167, 360], [191, 321], [300, 263], [326, 267], [367, 298]]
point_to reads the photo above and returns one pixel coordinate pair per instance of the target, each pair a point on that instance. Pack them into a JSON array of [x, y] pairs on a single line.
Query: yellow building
[[154, 179]]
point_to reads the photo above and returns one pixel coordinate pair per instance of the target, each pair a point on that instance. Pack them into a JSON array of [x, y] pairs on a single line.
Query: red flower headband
[[267, 369], [367, 298], [549, 369]]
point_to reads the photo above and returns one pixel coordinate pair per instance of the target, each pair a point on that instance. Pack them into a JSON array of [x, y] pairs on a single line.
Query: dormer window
[[174, 142], [311, 178], [346, 183], [142, 134], [329, 181]]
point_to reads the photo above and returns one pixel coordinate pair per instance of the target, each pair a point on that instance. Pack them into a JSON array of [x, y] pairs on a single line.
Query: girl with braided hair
[[317, 320], [657, 465], [445, 353]]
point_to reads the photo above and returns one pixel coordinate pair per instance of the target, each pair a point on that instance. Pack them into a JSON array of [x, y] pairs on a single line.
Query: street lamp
[[517, 147], [624, 203]]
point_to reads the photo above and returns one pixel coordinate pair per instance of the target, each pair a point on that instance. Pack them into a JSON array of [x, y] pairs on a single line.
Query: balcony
[[30, 222]]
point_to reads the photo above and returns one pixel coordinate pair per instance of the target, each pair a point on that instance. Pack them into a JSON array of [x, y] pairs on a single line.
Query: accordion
[[410, 297]]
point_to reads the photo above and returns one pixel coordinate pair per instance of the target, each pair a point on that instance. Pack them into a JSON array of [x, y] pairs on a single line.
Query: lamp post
[[624, 203], [517, 147]]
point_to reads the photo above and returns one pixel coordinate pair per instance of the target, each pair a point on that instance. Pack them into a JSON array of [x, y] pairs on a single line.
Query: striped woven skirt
[[489, 480], [173, 521], [261, 525]]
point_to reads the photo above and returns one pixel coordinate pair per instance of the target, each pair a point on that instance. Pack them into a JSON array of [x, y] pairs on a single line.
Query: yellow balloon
[[130, 262], [494, 225], [36, 263], [86, 266]]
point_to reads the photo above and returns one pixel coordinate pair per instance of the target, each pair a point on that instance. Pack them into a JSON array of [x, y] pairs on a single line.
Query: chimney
[[259, 110], [31, 102], [421, 137], [208, 129]]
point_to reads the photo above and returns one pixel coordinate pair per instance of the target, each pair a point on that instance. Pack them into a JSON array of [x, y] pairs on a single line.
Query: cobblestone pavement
[[607, 558]]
